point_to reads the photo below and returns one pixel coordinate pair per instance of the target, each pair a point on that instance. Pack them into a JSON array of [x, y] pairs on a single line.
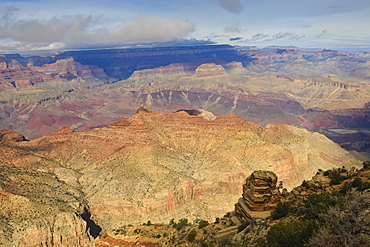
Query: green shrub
[[202, 224], [282, 210], [178, 226], [366, 165], [357, 182], [292, 234], [304, 184], [261, 242], [364, 186], [243, 226], [336, 177], [319, 203], [326, 173], [148, 223], [191, 235], [345, 188], [203, 244]]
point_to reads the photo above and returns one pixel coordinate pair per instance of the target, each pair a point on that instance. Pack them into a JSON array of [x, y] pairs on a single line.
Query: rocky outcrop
[[10, 136], [69, 69], [260, 196], [201, 113], [28, 221], [236, 68], [19, 78], [60, 230]]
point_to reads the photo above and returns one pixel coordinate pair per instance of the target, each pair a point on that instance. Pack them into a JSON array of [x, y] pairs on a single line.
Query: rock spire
[[260, 196]]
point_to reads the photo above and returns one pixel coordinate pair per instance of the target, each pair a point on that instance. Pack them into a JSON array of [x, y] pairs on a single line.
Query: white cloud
[[145, 28], [74, 30]]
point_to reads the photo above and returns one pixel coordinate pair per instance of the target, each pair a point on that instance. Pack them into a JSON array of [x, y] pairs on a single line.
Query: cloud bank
[[286, 35], [78, 30], [270, 37]]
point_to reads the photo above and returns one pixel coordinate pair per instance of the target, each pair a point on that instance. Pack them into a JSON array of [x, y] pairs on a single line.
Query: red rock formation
[[259, 194], [155, 166], [67, 67], [8, 135]]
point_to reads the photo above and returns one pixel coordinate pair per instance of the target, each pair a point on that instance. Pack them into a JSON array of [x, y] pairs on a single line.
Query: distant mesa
[[210, 69]]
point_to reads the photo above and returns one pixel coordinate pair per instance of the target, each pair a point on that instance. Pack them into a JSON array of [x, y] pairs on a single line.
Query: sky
[[56, 25]]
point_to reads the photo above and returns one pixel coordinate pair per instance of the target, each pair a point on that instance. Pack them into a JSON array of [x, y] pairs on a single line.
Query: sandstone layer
[[260, 196], [152, 166]]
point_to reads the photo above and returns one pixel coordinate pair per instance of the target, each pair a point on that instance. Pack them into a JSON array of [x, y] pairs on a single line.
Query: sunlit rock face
[[152, 166]]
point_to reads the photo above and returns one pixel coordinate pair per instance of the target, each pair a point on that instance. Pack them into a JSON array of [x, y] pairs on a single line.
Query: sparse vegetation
[[149, 223], [293, 234], [336, 176], [282, 210], [335, 218], [366, 166], [182, 223], [202, 224], [346, 224], [191, 236]]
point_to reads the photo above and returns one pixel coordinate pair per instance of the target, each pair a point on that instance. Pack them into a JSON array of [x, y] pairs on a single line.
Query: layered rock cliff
[[312, 89], [152, 166]]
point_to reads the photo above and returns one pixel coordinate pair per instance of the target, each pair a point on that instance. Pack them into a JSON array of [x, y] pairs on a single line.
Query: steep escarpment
[[153, 166], [37, 207], [121, 63]]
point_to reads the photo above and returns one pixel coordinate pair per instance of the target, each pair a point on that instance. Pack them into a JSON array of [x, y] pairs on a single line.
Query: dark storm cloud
[[232, 6], [259, 36], [236, 38]]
